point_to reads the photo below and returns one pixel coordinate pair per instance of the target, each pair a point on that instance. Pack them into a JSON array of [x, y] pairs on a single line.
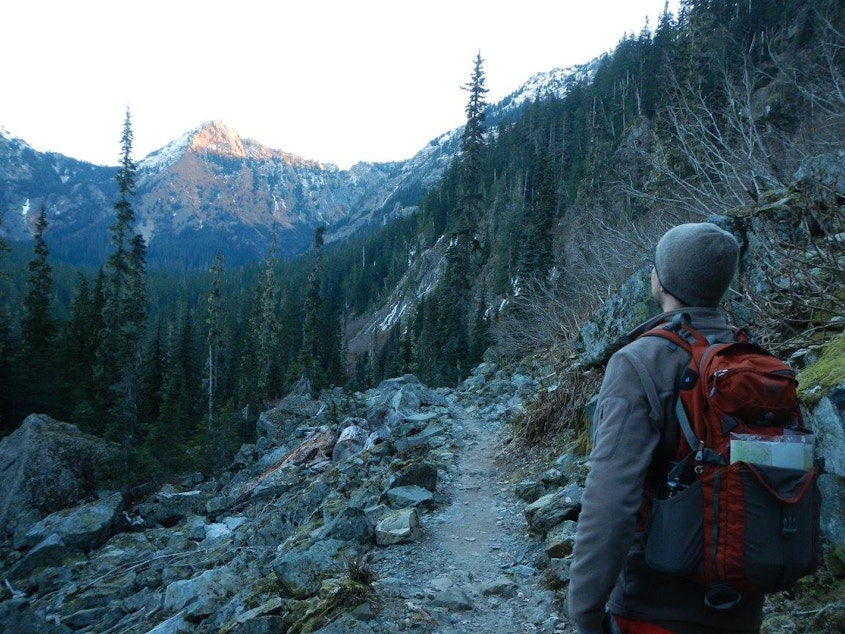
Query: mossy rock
[[835, 562], [335, 597], [825, 374]]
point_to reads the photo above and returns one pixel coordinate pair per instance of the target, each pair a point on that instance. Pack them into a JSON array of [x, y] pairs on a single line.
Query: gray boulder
[[47, 466], [832, 489], [169, 506], [397, 527], [301, 571], [351, 524], [383, 419], [822, 175], [421, 474], [553, 508], [352, 440], [277, 424], [80, 529], [18, 616], [431, 436], [827, 421], [529, 490], [560, 540], [410, 495], [46, 554], [608, 329], [202, 595]]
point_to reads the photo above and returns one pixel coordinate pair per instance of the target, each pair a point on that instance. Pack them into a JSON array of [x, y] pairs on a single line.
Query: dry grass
[[557, 418]]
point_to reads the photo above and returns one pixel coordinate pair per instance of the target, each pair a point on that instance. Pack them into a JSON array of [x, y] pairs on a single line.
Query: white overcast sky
[[337, 81]]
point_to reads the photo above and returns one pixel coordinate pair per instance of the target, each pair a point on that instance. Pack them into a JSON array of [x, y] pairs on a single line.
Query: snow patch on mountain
[[552, 83], [169, 154]]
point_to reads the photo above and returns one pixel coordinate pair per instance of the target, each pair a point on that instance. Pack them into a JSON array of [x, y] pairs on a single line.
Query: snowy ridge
[[8, 136], [169, 154], [552, 83]]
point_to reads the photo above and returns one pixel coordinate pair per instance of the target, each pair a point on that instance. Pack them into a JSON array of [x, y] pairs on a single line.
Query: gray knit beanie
[[696, 262]]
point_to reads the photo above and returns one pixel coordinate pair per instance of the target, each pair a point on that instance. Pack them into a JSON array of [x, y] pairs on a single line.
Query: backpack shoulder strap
[[679, 331]]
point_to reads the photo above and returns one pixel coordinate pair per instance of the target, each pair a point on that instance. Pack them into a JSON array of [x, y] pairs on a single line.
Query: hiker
[[636, 433]]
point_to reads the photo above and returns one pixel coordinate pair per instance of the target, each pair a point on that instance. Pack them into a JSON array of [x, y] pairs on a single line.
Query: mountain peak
[[217, 137]]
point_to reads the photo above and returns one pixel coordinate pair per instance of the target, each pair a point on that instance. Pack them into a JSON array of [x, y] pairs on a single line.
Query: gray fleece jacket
[[635, 433]]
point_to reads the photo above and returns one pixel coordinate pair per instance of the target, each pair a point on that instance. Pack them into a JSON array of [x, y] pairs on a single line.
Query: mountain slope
[[211, 190]]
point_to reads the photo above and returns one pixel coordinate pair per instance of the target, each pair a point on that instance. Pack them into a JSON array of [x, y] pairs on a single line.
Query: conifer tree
[[480, 339], [124, 307], [37, 325], [537, 257], [152, 378], [426, 349], [454, 294], [214, 338], [218, 435], [261, 346], [473, 144], [38, 328], [80, 341], [310, 352], [167, 438]]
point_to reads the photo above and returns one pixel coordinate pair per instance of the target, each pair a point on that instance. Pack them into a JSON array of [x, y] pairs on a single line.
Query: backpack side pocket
[[675, 540], [779, 540]]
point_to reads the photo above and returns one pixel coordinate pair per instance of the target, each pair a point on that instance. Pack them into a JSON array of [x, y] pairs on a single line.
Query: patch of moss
[[835, 561], [336, 596], [641, 313], [826, 373]]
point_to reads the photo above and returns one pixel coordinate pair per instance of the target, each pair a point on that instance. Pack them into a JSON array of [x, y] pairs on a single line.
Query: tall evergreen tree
[[310, 353], [453, 303], [124, 307], [168, 437], [261, 347], [152, 378], [38, 328], [80, 342], [473, 144], [217, 438], [37, 325], [214, 341], [480, 338]]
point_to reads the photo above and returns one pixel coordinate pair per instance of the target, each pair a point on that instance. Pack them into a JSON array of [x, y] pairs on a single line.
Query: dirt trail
[[474, 570]]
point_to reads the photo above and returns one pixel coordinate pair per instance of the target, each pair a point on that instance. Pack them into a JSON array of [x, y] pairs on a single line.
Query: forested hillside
[[536, 222]]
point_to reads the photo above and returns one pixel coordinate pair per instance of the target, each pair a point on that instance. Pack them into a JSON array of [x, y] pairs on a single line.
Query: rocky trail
[[474, 567], [398, 512], [442, 526]]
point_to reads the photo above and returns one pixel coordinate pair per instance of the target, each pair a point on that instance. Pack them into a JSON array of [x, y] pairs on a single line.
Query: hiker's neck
[[669, 303]]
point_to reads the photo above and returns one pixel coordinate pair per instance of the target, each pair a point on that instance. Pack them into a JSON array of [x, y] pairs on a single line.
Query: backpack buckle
[[789, 526], [709, 456]]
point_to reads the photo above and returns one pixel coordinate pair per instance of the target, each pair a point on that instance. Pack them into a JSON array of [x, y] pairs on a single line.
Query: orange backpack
[[747, 522]]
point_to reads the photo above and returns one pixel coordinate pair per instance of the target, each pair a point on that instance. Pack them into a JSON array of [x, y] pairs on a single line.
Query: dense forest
[[542, 215]]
